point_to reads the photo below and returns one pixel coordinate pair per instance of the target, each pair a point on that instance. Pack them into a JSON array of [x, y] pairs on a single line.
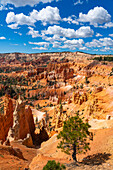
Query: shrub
[[52, 165], [86, 80]]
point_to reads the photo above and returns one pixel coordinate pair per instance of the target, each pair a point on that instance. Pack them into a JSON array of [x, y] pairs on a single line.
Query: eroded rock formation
[[6, 120], [23, 123], [59, 117], [79, 98]]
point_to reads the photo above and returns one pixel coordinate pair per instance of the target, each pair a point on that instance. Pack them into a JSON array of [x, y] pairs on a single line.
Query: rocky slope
[[53, 86]]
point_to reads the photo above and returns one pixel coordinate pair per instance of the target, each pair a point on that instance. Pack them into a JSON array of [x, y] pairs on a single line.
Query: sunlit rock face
[[23, 123], [6, 120]]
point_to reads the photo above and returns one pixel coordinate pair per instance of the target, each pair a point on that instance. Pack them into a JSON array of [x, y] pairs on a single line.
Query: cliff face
[[6, 120], [61, 71], [23, 123], [79, 98], [2, 128]]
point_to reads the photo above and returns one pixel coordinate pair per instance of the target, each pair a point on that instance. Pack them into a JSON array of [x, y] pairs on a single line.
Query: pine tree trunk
[[74, 152]]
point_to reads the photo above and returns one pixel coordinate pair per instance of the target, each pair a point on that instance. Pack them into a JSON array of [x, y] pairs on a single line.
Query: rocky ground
[[99, 157], [9, 160], [38, 92]]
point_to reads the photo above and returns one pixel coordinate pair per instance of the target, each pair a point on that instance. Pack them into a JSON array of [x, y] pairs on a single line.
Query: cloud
[[18, 33], [45, 44], [83, 48], [33, 33], [111, 35], [107, 42], [73, 44], [94, 43], [69, 44], [2, 7], [95, 50], [39, 48], [78, 2], [18, 3], [98, 35], [107, 25], [46, 15], [2, 38], [56, 44], [15, 44], [13, 26], [59, 31], [54, 38], [40, 45], [70, 33], [105, 49], [19, 19], [71, 20], [95, 16], [50, 15], [84, 32], [102, 42]]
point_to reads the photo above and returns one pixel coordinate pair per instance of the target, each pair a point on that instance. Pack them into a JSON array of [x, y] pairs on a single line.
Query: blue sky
[[35, 26]]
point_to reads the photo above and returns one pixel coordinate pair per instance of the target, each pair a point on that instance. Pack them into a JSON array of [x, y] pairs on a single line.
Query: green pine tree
[[74, 136]]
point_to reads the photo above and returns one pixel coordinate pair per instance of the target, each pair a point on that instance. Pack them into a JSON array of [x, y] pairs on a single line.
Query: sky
[[35, 26]]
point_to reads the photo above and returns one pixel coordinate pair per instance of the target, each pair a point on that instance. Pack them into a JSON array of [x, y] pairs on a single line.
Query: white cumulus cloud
[[33, 33], [54, 38], [73, 44], [95, 16], [56, 44], [69, 44], [83, 48], [46, 15], [107, 25], [71, 20], [18, 3], [102, 42], [13, 26], [68, 32], [19, 19], [84, 32], [62, 32]]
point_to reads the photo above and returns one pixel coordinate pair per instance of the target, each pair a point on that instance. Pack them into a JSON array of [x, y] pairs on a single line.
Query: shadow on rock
[[18, 153], [96, 159], [41, 137], [91, 160]]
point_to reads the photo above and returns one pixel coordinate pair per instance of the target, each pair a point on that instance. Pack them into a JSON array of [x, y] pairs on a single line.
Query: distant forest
[[104, 58]]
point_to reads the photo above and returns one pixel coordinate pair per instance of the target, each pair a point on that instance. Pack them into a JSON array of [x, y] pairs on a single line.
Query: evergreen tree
[[75, 136]]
